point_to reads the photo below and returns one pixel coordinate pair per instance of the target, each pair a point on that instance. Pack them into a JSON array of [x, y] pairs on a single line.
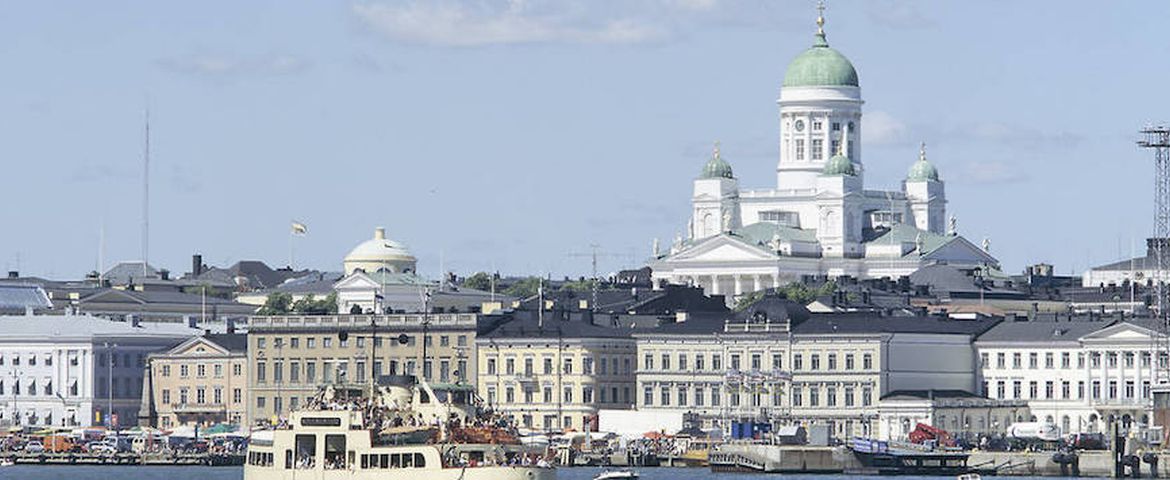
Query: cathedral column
[[715, 285], [758, 283], [738, 284], [776, 279]]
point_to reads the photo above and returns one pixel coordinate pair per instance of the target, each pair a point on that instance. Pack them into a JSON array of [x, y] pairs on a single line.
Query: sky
[[513, 135]]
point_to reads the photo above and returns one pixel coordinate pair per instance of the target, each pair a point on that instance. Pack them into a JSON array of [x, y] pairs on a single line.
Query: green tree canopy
[[308, 305], [523, 288], [278, 303], [479, 281]]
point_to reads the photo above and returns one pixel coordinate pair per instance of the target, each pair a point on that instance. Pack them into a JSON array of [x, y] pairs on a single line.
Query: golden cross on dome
[[922, 152], [716, 154], [821, 17]]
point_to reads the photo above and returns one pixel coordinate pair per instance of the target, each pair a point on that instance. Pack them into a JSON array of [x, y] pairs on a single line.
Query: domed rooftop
[[820, 66], [717, 167], [839, 165], [380, 253], [922, 170]]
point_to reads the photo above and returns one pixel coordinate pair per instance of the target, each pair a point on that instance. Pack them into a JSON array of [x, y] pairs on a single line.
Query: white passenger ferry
[[405, 431]]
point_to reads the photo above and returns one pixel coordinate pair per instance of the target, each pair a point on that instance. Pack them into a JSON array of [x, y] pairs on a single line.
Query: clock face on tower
[[800, 125]]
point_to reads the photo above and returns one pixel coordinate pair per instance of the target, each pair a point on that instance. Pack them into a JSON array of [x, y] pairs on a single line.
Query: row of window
[[201, 395], [393, 460], [1111, 360], [1065, 391], [817, 152], [757, 396], [30, 388], [201, 370], [358, 341], [589, 366], [338, 370], [589, 394], [756, 362]]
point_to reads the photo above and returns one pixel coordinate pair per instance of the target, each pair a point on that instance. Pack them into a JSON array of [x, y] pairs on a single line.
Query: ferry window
[[335, 452], [306, 448], [395, 460], [385, 460], [288, 459], [419, 461], [407, 460]]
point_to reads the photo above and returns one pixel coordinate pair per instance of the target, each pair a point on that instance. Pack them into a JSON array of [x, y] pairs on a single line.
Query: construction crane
[[1157, 138]]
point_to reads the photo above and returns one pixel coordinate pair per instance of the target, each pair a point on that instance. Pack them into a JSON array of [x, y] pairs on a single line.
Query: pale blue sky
[[512, 134]]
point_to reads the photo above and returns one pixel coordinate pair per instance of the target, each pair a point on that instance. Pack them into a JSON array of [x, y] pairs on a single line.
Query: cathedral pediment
[[960, 250], [721, 248]]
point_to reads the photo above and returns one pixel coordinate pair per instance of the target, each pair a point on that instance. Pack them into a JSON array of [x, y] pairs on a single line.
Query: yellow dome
[[380, 253]]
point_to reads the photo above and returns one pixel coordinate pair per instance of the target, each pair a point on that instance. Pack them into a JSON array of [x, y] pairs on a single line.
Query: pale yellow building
[[202, 381], [292, 356], [555, 375]]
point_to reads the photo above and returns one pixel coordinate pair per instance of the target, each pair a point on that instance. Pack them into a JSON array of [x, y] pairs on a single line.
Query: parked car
[[34, 447], [101, 447]]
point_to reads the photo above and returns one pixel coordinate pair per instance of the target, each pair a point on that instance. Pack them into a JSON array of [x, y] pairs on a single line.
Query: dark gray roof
[[867, 323], [526, 324], [15, 297], [126, 272], [1042, 331], [233, 342]]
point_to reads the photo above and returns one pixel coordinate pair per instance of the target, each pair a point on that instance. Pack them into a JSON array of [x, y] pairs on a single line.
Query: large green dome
[[839, 165], [717, 167], [922, 170], [820, 66]]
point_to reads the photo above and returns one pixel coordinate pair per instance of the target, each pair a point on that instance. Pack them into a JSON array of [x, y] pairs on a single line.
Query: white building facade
[[1080, 376], [76, 370], [819, 220]]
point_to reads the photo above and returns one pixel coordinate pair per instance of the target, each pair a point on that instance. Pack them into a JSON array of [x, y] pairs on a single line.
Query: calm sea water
[[23, 472]]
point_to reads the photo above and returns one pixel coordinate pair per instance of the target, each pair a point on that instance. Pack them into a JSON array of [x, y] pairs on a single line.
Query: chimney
[[192, 322], [135, 321], [13, 274], [164, 274], [231, 325], [196, 265]]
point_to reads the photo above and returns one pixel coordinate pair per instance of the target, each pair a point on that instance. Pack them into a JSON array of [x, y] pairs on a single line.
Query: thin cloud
[[229, 66], [458, 25], [900, 14], [1012, 136], [881, 128], [991, 172]]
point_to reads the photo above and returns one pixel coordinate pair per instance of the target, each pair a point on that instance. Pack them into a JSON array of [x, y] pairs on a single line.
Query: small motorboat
[[7, 462], [617, 475], [969, 476]]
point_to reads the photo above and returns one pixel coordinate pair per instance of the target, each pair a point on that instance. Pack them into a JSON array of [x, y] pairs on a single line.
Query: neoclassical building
[[1082, 376], [819, 219]]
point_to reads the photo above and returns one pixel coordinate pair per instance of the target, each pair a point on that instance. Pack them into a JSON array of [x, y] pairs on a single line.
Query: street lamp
[[15, 374], [110, 383]]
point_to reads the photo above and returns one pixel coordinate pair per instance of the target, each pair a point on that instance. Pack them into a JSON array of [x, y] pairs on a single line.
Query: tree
[[747, 300], [523, 288], [278, 303], [478, 281], [309, 305]]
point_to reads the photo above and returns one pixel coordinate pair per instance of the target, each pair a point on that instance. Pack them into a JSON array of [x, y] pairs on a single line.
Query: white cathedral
[[819, 221]]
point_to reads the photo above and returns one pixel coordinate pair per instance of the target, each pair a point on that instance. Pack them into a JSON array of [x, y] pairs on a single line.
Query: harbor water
[[39, 472]]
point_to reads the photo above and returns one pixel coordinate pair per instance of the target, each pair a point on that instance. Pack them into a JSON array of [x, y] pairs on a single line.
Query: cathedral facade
[[820, 220]]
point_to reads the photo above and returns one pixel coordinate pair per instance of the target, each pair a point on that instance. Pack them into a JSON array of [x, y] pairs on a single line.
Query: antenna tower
[[146, 199], [1157, 138]]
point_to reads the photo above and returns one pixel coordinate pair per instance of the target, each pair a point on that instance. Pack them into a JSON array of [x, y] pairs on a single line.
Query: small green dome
[[717, 167], [839, 165], [820, 66], [922, 170]]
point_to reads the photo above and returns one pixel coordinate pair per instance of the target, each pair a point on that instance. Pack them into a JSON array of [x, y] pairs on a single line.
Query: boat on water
[[398, 429], [891, 458], [8, 462], [617, 475]]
